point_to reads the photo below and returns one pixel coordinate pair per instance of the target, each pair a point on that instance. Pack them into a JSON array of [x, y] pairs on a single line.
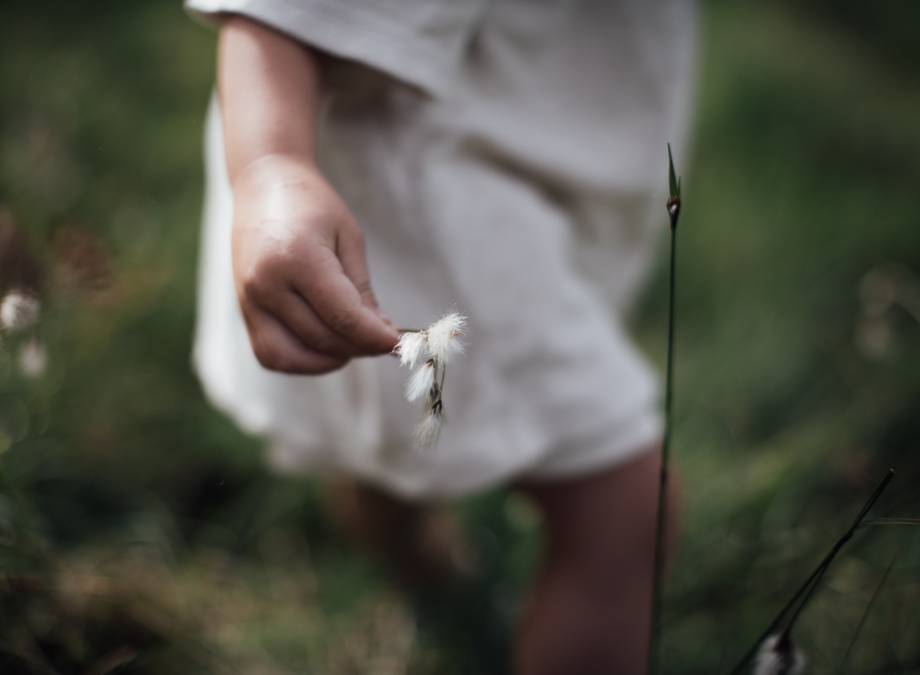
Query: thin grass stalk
[[807, 589], [673, 207], [865, 614], [835, 550], [896, 522]]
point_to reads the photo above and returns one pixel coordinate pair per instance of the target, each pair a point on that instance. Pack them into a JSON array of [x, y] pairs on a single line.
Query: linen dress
[[506, 160]]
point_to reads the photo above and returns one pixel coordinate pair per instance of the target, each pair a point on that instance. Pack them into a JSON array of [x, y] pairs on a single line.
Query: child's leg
[[421, 544], [590, 607]]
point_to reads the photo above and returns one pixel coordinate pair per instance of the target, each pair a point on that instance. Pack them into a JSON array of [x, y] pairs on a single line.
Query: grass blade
[[673, 207], [865, 614], [806, 590]]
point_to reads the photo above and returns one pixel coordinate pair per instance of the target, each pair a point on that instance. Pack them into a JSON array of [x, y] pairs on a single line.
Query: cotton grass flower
[[421, 381], [428, 431], [18, 311], [444, 337], [412, 346], [439, 342], [779, 656], [33, 359]]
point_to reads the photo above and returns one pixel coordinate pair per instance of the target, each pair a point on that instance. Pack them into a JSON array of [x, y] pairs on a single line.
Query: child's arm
[[298, 254]]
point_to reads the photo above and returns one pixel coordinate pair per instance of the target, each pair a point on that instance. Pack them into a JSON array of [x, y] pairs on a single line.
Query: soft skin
[[298, 253]]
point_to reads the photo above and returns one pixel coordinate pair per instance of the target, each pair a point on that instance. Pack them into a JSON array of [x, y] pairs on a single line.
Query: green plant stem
[[807, 589], [661, 520], [865, 615], [836, 549]]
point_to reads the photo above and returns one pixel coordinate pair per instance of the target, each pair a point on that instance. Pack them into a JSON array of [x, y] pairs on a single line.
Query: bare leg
[[590, 607], [421, 544]]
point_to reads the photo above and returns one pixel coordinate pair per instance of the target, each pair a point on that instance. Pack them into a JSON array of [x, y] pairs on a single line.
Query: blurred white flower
[[421, 381], [777, 656], [428, 431], [885, 292], [33, 358], [412, 344], [444, 337], [18, 310], [874, 338]]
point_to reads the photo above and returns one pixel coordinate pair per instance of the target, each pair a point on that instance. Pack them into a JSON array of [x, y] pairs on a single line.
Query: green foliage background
[[140, 532]]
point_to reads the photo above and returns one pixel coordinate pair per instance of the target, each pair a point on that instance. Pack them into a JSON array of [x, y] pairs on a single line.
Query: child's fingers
[[352, 256], [276, 348], [301, 320], [338, 302]]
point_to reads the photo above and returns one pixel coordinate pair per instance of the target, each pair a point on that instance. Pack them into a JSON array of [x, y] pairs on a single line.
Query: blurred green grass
[[793, 392]]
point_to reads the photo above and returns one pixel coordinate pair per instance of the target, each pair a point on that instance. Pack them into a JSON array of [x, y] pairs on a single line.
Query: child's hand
[[298, 254], [300, 271]]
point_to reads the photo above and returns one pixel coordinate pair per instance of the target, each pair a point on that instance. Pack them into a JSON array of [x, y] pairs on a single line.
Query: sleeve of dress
[[416, 41]]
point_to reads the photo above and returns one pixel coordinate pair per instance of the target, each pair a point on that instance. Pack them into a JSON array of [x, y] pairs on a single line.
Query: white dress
[[506, 160]]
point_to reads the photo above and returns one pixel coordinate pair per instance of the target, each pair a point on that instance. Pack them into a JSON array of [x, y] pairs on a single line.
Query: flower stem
[[673, 207]]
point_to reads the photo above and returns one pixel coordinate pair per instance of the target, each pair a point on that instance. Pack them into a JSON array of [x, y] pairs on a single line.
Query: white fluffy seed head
[[33, 359], [18, 310], [411, 347], [444, 337], [420, 382], [428, 431], [775, 658]]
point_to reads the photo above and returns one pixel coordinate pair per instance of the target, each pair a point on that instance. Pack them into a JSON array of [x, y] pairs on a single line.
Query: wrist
[[273, 170], [282, 187]]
